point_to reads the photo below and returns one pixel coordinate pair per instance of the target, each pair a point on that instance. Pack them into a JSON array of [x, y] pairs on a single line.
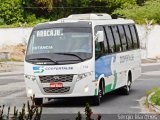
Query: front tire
[[97, 99]]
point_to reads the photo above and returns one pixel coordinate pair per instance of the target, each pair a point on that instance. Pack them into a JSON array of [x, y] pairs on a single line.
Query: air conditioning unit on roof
[[98, 16]]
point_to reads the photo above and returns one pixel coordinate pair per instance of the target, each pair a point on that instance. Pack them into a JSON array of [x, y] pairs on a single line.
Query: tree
[[150, 10], [140, 2], [11, 12], [48, 4]]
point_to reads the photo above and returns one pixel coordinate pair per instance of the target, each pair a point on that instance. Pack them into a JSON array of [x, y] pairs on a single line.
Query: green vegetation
[[11, 60], [156, 97], [11, 12], [152, 90], [28, 112], [149, 10], [18, 13], [34, 112]]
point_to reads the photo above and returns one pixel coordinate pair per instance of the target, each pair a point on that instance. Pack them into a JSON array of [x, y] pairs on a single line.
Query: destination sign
[[49, 32]]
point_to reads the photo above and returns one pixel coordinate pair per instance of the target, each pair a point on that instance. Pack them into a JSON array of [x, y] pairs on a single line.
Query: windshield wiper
[[71, 54], [45, 60]]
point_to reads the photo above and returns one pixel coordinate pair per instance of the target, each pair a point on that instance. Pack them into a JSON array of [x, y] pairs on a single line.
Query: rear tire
[[38, 101], [126, 89]]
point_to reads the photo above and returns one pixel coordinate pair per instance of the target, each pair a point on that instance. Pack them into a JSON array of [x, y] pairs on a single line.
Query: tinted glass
[[122, 37], [110, 39], [117, 38], [60, 44], [58, 40], [104, 45], [128, 36], [134, 36]]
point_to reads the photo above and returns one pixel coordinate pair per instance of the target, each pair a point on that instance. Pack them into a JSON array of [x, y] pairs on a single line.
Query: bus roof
[[84, 20]]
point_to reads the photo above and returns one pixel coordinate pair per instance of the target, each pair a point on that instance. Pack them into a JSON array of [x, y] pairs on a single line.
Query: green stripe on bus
[[108, 88], [115, 80], [95, 92]]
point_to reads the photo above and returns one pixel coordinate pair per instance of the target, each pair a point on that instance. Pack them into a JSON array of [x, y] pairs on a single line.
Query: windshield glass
[[61, 43]]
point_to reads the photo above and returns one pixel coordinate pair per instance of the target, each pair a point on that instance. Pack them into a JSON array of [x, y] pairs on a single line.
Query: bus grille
[[56, 90], [56, 78]]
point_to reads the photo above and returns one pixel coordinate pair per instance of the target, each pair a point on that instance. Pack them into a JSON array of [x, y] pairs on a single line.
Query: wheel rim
[[128, 85], [100, 95]]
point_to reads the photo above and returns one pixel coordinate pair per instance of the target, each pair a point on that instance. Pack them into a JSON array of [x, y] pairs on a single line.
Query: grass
[[152, 90], [154, 98], [10, 60], [18, 25]]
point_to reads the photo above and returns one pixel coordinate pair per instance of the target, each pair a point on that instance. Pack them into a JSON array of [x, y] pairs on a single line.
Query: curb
[[151, 105]]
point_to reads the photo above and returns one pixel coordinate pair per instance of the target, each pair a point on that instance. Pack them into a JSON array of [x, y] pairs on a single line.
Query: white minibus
[[83, 55]]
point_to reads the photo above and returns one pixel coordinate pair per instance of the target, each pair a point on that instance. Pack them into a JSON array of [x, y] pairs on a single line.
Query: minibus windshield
[[59, 43]]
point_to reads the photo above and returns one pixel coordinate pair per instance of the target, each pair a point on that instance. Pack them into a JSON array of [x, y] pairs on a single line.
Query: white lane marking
[[153, 73], [149, 79], [150, 64]]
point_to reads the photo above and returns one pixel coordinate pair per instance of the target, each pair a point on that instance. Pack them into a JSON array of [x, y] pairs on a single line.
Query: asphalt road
[[12, 92]]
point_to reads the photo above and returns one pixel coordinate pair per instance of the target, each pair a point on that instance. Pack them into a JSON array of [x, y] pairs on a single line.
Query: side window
[[128, 36], [110, 39], [97, 49], [104, 45], [134, 36], [117, 38], [101, 48], [122, 37]]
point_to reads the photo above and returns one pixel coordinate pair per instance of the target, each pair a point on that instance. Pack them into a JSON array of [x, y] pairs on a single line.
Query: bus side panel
[[103, 67], [115, 68], [125, 62], [137, 65]]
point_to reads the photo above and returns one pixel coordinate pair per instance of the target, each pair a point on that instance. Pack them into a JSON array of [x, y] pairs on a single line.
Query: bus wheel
[[97, 99], [38, 101], [127, 88]]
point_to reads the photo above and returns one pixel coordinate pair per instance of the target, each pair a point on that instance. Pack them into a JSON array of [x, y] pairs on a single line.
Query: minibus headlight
[[84, 75], [31, 77]]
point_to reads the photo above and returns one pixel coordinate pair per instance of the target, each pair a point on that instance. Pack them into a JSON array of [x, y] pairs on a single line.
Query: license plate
[[56, 85]]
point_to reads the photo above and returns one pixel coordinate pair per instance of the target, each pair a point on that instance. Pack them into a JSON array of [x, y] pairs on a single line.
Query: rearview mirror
[[100, 36]]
